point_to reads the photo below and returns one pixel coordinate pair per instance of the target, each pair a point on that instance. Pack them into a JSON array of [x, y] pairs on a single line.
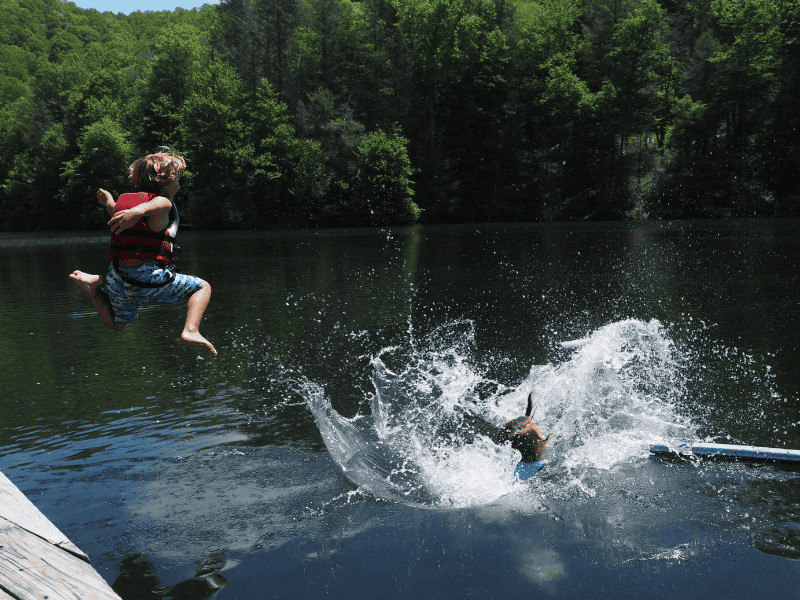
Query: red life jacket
[[140, 242]]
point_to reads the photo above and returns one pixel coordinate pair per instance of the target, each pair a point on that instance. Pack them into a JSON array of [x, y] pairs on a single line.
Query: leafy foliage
[[378, 112]]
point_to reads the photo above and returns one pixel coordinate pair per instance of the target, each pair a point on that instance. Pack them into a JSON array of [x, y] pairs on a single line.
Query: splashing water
[[428, 439], [617, 395]]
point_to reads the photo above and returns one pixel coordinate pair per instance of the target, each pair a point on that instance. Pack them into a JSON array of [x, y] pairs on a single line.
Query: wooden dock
[[37, 560]]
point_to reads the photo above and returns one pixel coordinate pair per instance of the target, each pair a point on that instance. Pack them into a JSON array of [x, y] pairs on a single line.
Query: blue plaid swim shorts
[[126, 298]]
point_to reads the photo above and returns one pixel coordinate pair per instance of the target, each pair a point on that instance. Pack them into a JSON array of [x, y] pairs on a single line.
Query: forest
[[330, 113]]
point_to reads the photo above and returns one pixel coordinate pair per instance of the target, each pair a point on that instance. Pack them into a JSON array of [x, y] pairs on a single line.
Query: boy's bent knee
[[203, 292]]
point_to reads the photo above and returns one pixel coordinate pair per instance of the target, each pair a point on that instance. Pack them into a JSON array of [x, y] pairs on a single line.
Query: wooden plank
[[16, 507], [31, 568]]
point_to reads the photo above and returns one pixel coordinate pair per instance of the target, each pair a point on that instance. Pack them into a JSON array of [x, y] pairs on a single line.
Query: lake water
[[338, 445]]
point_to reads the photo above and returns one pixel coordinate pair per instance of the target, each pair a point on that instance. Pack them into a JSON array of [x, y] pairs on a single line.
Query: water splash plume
[[428, 437]]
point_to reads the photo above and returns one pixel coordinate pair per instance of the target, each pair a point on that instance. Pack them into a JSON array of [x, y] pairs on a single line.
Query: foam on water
[[427, 437]]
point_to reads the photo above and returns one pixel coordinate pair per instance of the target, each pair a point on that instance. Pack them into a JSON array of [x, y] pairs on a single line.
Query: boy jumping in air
[[143, 228]]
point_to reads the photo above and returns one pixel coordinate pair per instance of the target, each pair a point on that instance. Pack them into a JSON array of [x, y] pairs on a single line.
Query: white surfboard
[[731, 451]]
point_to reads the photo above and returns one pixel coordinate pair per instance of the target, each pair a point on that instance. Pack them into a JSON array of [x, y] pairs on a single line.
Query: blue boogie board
[[526, 470], [730, 451]]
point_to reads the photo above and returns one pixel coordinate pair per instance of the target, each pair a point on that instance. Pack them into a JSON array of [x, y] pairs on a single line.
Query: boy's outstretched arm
[[156, 209], [107, 200]]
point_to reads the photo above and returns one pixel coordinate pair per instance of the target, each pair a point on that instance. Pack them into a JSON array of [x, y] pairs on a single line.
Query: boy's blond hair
[[153, 172]]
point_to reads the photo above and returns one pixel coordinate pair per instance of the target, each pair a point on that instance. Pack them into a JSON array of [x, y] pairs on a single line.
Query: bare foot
[[193, 338], [87, 281]]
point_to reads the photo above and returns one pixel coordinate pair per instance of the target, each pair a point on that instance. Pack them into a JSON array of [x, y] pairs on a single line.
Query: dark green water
[[165, 465]]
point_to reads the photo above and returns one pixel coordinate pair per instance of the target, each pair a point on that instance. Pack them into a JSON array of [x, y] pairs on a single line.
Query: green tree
[[779, 145], [631, 71], [29, 198], [17, 102], [170, 67], [333, 126], [382, 191], [286, 173], [732, 78], [747, 61], [555, 108], [254, 35], [457, 117], [105, 152], [385, 80], [213, 131], [328, 46]]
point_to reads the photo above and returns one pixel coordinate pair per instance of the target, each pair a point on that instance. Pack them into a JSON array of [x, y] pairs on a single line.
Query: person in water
[[524, 435], [143, 228]]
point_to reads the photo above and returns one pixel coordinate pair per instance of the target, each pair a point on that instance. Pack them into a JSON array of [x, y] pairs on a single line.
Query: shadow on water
[[137, 581]]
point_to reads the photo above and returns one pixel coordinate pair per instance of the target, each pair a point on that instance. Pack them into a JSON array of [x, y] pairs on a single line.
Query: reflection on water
[[170, 468], [137, 580]]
